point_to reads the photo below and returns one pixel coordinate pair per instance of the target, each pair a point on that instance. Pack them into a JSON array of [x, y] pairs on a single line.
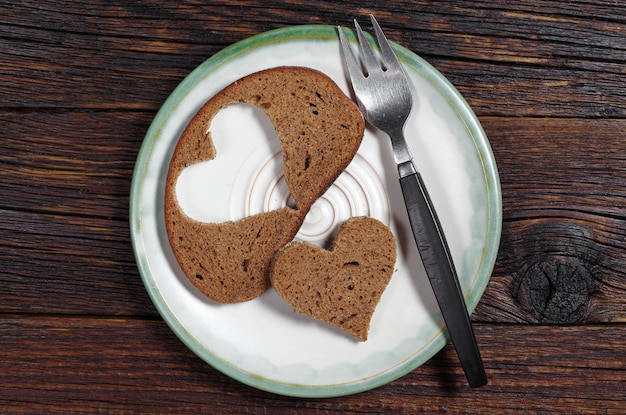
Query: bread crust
[[320, 130]]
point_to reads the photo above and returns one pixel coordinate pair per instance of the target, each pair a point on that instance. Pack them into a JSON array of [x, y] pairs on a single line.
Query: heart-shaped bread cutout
[[319, 129], [343, 285]]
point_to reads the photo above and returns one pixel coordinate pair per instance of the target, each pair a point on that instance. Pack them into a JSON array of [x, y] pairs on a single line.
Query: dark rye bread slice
[[343, 285], [320, 130]]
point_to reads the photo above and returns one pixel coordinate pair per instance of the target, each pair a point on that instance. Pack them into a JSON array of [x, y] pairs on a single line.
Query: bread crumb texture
[[342, 285], [320, 130]]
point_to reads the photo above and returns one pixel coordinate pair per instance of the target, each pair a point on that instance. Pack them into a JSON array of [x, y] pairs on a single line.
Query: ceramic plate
[[263, 342]]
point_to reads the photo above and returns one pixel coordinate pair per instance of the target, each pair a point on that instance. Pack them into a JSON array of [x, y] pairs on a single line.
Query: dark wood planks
[[137, 365], [79, 86], [65, 179], [563, 198], [521, 60]]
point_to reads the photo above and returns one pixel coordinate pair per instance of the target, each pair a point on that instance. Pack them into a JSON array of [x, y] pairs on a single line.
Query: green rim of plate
[[317, 33]]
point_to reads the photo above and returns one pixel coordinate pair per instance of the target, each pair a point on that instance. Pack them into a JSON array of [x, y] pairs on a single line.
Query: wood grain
[[107, 58], [80, 83], [563, 197], [45, 366]]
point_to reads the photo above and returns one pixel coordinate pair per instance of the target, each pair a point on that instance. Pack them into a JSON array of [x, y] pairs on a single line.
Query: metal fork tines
[[384, 96]]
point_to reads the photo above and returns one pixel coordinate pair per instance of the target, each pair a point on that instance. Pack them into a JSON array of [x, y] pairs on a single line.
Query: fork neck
[[406, 168], [401, 152]]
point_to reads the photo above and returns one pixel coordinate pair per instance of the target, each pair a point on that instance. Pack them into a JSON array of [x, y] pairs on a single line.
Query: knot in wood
[[556, 290]]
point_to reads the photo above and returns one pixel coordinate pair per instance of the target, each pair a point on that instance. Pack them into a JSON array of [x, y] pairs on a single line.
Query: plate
[[263, 342]]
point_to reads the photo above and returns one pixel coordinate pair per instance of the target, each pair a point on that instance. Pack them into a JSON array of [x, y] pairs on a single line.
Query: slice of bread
[[343, 285], [320, 130]]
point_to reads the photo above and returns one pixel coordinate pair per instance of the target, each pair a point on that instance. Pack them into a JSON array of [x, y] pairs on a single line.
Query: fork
[[384, 96]]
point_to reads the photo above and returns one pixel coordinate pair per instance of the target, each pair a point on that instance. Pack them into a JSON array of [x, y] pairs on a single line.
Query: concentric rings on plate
[[358, 191]]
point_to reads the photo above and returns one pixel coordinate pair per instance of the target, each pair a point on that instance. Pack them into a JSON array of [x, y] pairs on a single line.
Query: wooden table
[[80, 83]]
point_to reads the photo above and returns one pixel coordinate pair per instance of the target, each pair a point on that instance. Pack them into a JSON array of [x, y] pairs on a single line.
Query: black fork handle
[[435, 254]]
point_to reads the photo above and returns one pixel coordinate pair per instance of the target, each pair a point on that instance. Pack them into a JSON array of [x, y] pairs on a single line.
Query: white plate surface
[[263, 342]]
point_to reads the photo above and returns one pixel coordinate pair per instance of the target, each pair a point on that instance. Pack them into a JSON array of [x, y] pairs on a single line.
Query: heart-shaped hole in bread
[[235, 166], [342, 285]]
